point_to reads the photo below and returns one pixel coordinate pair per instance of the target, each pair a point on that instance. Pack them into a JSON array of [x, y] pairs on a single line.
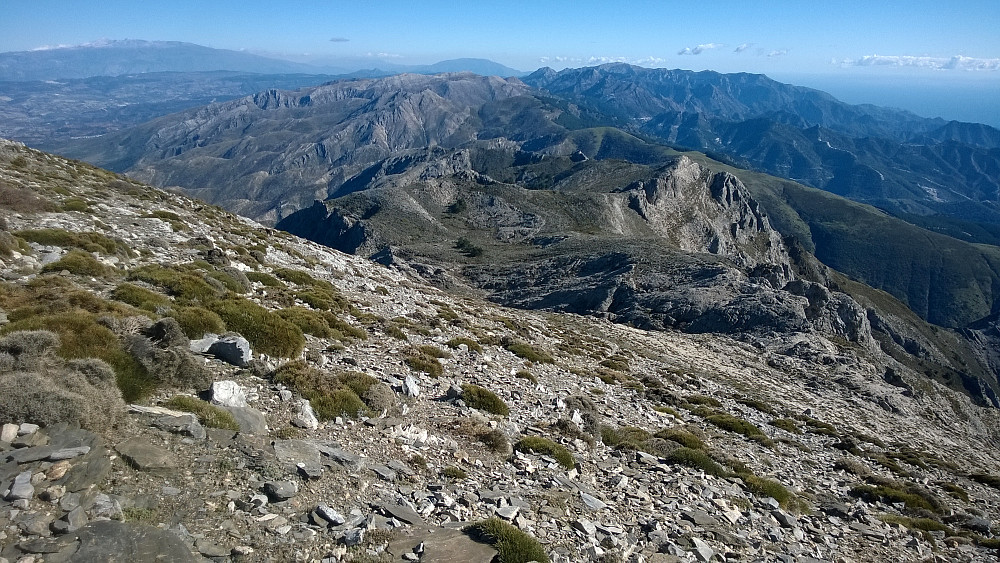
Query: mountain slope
[[424, 398]]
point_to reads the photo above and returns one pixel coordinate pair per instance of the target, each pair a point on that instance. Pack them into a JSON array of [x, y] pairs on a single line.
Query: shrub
[[625, 437], [267, 332], [483, 399], [23, 200], [207, 413], [924, 524], [703, 400], [758, 405], [768, 488], [454, 473], [342, 402], [343, 330], [75, 204], [186, 286], [89, 241], [466, 247], [524, 374], [617, 363], [734, 424], [544, 446], [330, 396], [682, 437], [82, 337], [512, 545], [892, 493], [495, 440], [139, 297], [79, 262], [424, 363], [529, 352], [954, 490], [197, 321], [308, 321], [986, 479], [696, 459], [786, 424], [267, 280], [80, 392]]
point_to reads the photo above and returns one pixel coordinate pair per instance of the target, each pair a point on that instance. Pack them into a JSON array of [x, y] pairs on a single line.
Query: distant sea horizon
[[973, 100]]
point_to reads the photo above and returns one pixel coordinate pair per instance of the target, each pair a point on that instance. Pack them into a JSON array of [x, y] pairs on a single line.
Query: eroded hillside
[[427, 412]]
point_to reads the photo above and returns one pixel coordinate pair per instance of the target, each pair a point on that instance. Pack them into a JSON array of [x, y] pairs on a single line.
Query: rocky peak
[[713, 212]]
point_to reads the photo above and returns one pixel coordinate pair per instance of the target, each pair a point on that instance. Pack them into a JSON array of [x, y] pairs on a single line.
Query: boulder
[[232, 349], [228, 394]]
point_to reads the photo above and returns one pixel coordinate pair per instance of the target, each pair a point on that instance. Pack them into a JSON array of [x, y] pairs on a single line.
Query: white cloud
[[957, 62], [602, 59], [339, 39], [777, 52], [699, 49], [742, 47], [383, 55]]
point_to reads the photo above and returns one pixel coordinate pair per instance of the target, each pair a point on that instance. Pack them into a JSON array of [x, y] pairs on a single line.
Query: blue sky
[[941, 42]]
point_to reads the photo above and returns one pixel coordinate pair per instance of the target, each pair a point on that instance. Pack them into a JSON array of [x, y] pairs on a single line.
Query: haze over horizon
[[916, 56]]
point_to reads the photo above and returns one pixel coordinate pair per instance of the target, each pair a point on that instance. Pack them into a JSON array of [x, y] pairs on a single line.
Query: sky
[[903, 45]]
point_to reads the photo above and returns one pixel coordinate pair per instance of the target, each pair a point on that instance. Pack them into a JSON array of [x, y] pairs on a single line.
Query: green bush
[[433, 351], [308, 321], [184, 285], [267, 332], [139, 297], [625, 437], [924, 524], [529, 352], [197, 321], [696, 459], [483, 399], [495, 440], [75, 204], [544, 446], [786, 424], [330, 396], [454, 473], [342, 402], [89, 241], [418, 361], [734, 424], [512, 545], [758, 405], [703, 400], [343, 330], [267, 280], [82, 337], [682, 437], [524, 374], [207, 413], [894, 494], [768, 488], [81, 263]]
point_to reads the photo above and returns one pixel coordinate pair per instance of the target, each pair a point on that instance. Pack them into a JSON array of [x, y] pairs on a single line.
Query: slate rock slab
[[251, 420], [296, 451], [109, 541], [233, 350], [443, 545], [147, 457]]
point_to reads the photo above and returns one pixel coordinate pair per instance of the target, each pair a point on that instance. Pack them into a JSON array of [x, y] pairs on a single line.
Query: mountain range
[[391, 156]]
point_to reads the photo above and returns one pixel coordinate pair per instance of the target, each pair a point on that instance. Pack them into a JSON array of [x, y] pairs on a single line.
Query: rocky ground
[[683, 447]]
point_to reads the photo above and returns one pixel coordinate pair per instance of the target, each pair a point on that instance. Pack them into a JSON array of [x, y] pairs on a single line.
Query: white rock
[[228, 394], [306, 418], [8, 433]]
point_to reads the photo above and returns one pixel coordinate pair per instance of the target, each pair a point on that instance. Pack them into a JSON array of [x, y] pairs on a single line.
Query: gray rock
[[306, 417], [507, 512], [202, 345], [310, 469], [700, 518], [146, 457], [585, 526], [22, 487], [442, 545], [68, 453], [354, 536], [702, 550], [785, 519], [228, 394], [251, 420], [186, 425], [330, 515], [232, 349], [210, 549], [344, 458], [296, 451], [384, 473], [112, 541], [592, 502], [279, 491], [8, 433], [403, 513]]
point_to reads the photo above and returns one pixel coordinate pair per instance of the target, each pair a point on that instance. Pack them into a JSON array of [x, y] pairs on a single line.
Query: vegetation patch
[[208, 414], [734, 424], [625, 437], [81, 263], [525, 374], [512, 545], [473, 346], [483, 399], [420, 361], [757, 405], [329, 395], [454, 473], [89, 241], [267, 332], [184, 285], [544, 446], [786, 424], [197, 321], [267, 280], [139, 297], [528, 352], [682, 437], [703, 400], [894, 493], [696, 459]]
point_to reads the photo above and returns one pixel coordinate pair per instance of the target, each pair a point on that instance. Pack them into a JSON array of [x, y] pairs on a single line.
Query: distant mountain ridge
[[133, 56]]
